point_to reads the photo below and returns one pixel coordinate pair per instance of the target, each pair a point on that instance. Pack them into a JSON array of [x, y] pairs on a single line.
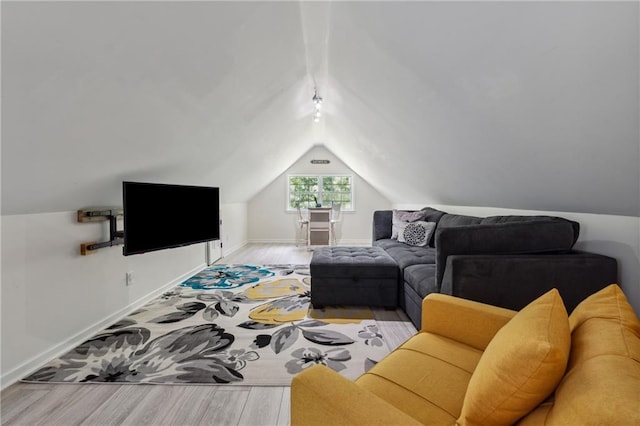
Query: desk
[[319, 231]]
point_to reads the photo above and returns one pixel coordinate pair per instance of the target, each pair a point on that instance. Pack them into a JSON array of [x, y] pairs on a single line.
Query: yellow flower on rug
[[277, 288], [286, 309]]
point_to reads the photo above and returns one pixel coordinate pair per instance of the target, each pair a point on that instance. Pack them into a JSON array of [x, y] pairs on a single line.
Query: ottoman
[[353, 276]]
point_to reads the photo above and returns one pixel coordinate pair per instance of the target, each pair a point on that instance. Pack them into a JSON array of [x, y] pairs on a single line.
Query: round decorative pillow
[[416, 233]]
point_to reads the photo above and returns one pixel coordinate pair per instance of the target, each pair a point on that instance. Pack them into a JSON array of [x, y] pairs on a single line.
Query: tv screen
[[161, 216]]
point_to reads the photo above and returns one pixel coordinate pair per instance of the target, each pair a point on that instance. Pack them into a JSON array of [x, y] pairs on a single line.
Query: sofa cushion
[[448, 220], [512, 219], [608, 315], [549, 236], [525, 277], [411, 377], [421, 278], [385, 243], [452, 220], [406, 255], [521, 366], [382, 222], [602, 383], [432, 215]]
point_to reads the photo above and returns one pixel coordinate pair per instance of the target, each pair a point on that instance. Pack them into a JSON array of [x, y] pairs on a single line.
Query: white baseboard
[[227, 251], [271, 241], [31, 365], [354, 242]]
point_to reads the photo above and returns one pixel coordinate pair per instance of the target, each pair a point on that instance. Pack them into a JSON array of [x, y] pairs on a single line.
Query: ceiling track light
[[317, 102]]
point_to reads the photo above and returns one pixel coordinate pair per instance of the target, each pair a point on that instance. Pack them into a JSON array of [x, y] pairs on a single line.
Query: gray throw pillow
[[402, 217], [416, 233]]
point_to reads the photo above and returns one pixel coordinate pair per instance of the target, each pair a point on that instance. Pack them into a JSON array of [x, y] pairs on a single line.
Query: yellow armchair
[[478, 364], [320, 396]]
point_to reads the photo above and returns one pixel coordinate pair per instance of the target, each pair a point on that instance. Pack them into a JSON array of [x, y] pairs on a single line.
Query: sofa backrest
[[511, 219], [602, 382], [450, 220], [524, 237], [382, 222]]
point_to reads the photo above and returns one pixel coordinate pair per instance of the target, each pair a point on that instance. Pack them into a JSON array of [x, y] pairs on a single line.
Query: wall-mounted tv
[[160, 216]]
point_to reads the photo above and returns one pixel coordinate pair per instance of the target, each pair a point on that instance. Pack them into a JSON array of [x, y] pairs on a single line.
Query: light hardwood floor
[[114, 404]]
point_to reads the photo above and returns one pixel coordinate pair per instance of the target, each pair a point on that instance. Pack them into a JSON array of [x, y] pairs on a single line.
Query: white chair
[[336, 217], [303, 228]]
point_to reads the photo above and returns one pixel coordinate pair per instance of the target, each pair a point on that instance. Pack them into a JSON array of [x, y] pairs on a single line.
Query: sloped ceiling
[[504, 104]]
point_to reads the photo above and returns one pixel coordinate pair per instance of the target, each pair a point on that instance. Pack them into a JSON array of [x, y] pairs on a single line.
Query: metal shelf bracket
[[101, 214]]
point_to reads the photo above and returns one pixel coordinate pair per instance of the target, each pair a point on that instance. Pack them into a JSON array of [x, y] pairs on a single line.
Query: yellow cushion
[[521, 366], [426, 377], [602, 383], [608, 315]]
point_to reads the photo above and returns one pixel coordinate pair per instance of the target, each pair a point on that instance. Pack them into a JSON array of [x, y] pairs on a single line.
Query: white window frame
[[320, 176]]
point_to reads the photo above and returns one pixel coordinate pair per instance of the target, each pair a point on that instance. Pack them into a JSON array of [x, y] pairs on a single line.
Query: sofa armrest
[[465, 321], [320, 396], [502, 238], [512, 281], [382, 224]]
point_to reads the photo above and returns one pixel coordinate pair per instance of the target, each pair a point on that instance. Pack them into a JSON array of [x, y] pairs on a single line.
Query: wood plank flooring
[[87, 404]]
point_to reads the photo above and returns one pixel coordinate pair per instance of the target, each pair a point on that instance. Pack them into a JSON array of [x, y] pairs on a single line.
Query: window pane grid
[[307, 191]]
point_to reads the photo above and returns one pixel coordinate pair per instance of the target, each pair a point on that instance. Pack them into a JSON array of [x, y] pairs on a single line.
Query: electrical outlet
[[129, 278]]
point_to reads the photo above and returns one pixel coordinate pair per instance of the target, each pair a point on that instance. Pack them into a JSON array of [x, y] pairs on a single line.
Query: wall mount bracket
[[101, 214]]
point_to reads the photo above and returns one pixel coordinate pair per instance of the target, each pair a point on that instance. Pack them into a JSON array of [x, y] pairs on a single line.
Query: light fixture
[[317, 102]]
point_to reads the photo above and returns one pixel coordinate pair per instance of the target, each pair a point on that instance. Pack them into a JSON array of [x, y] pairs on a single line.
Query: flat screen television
[[161, 216]]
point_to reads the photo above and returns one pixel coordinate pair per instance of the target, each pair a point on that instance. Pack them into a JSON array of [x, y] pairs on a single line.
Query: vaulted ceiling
[[524, 105]]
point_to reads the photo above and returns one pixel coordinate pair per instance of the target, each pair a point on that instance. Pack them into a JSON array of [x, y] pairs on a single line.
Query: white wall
[[52, 298], [234, 227], [514, 104], [270, 222], [614, 236]]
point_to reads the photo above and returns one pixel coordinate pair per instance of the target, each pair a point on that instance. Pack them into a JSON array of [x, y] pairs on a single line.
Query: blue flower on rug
[[227, 277]]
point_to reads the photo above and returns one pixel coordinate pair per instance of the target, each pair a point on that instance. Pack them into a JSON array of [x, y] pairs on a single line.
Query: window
[[306, 190]]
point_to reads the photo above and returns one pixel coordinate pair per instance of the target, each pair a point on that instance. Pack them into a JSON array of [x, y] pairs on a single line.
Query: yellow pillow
[[609, 303], [521, 366]]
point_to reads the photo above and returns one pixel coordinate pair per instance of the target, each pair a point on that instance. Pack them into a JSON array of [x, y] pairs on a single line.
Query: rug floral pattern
[[244, 324]]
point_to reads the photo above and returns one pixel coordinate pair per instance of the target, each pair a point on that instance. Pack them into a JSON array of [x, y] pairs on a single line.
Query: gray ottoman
[[353, 276]]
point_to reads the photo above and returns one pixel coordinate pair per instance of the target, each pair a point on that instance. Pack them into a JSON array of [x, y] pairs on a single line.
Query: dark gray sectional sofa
[[506, 261]]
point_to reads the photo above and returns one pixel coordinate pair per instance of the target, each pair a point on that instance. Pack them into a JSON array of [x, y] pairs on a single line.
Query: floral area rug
[[245, 324]]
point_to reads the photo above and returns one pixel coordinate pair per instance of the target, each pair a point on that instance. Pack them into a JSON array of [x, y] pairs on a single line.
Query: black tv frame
[[159, 213]]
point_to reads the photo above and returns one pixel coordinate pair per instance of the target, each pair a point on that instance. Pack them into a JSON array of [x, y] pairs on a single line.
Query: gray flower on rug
[[237, 357], [289, 269], [227, 277], [307, 357], [372, 335], [224, 302], [187, 355]]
